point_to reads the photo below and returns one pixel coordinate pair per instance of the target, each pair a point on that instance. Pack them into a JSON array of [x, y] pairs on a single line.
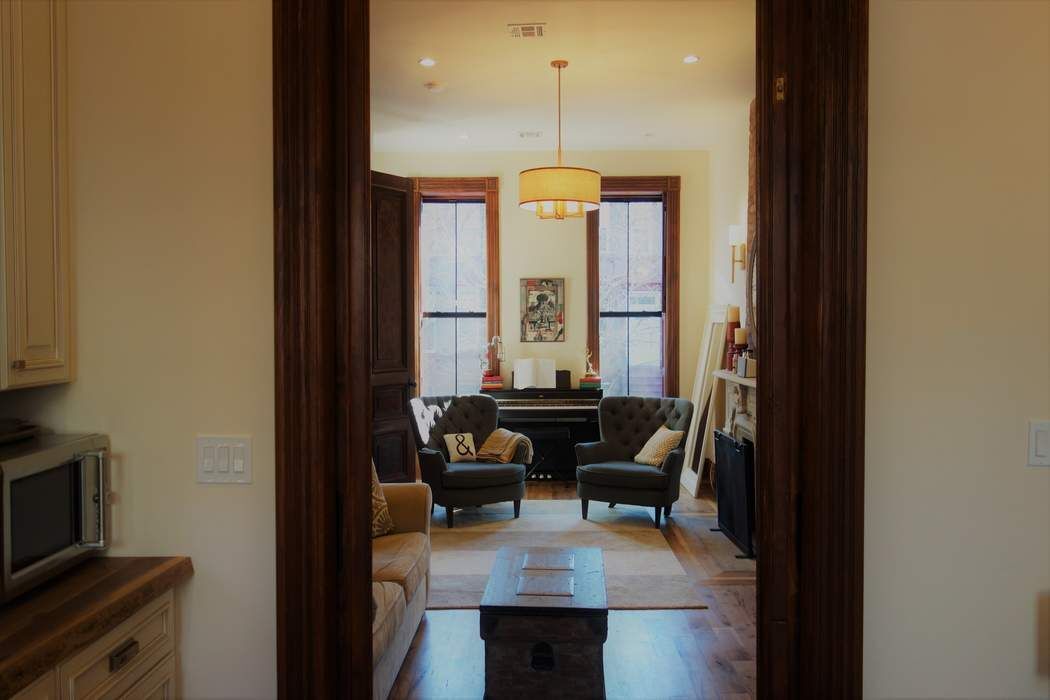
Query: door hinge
[[780, 88]]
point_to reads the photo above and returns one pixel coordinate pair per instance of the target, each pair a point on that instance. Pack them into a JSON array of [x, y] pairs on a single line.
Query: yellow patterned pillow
[[656, 448], [382, 523]]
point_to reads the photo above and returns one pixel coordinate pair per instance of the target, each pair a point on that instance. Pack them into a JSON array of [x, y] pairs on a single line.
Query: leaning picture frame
[[712, 348]]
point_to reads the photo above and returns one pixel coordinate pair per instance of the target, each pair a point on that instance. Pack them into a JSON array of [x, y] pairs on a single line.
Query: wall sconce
[[738, 256]]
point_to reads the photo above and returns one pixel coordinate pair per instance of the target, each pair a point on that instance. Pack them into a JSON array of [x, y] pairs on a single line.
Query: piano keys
[[555, 420]]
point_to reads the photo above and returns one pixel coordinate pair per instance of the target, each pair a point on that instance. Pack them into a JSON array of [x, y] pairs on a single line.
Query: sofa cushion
[[473, 475], [389, 602], [381, 521], [629, 475], [403, 559]]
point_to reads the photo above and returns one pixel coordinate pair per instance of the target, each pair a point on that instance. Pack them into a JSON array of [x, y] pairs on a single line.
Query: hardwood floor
[[649, 653]]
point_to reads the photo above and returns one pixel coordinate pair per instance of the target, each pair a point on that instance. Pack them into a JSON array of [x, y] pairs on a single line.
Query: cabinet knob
[[18, 364]]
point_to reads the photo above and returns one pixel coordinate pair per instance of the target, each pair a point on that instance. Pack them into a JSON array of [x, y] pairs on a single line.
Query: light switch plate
[[224, 459], [1039, 443]]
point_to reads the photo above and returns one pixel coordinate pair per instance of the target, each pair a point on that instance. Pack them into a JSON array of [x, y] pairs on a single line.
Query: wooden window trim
[[486, 188], [669, 187]]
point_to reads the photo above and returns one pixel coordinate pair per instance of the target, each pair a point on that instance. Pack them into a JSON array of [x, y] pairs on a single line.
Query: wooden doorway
[[811, 93]]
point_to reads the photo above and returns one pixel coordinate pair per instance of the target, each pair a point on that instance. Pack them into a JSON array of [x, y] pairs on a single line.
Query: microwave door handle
[[99, 498]]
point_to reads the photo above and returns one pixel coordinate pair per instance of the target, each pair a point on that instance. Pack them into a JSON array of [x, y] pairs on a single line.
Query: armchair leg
[[657, 517], [517, 508], [448, 516], [667, 510], [583, 504]]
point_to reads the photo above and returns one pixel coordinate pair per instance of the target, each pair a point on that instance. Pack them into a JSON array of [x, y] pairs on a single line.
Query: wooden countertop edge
[[88, 625]]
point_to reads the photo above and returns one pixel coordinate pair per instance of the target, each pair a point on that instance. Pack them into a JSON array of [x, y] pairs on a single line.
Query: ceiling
[[626, 86]]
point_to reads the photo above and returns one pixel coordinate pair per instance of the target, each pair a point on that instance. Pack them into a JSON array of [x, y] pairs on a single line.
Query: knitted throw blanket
[[501, 445]]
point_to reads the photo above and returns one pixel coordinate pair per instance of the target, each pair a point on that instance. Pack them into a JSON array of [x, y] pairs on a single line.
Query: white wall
[[957, 531], [529, 247], [172, 187]]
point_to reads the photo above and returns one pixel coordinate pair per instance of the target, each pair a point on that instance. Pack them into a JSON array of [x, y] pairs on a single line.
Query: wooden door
[[393, 337]]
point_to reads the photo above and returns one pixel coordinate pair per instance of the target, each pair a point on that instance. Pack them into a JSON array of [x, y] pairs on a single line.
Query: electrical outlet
[[224, 459]]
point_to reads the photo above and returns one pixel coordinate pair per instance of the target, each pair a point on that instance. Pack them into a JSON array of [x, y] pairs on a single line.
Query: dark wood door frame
[[812, 196], [811, 90]]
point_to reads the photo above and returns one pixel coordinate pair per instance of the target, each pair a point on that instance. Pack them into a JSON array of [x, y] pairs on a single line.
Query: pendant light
[[559, 192]]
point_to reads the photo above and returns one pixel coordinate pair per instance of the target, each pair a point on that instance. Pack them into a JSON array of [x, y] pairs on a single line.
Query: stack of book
[[591, 381], [490, 381]]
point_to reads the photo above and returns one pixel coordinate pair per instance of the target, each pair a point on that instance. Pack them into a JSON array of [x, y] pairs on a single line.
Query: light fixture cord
[[559, 116]]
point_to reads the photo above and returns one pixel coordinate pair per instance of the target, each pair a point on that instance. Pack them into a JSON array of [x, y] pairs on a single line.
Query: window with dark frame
[[453, 295], [631, 295]]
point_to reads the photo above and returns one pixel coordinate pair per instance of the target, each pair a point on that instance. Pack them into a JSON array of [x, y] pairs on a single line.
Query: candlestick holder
[[728, 359]]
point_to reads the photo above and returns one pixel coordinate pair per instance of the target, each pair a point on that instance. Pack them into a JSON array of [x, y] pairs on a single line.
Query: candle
[[733, 314], [740, 336]]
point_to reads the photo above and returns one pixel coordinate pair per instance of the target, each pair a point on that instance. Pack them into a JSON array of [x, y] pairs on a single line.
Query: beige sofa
[[400, 581]]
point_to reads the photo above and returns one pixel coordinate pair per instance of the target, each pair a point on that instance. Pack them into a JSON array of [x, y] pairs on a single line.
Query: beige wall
[[529, 247], [729, 212], [170, 123], [957, 532]]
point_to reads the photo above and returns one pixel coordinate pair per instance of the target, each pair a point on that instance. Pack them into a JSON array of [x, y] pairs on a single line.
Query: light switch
[[224, 459], [1039, 443]]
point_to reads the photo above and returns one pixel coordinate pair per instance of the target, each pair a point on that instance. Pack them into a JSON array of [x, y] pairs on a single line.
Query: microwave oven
[[54, 501]]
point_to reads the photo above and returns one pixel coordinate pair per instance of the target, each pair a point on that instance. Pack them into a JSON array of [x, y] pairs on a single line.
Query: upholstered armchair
[[460, 484], [607, 470]]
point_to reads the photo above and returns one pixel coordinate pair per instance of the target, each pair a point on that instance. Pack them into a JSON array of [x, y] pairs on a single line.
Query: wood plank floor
[[649, 654]]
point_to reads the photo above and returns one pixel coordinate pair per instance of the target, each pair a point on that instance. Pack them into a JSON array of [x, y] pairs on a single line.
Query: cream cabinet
[[34, 196], [134, 661]]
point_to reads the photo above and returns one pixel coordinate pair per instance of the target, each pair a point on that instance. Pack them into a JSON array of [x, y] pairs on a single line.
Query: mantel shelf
[[728, 376]]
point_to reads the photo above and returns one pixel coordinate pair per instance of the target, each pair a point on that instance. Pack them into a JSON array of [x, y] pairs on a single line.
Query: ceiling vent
[[530, 134], [527, 30]]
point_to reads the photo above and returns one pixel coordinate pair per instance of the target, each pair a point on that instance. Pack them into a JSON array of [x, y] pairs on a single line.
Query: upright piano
[[555, 420]]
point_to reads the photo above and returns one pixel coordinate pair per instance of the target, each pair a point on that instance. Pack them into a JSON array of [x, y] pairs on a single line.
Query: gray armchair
[[607, 470], [463, 484]]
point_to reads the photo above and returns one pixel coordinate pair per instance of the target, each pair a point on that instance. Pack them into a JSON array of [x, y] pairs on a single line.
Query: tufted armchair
[[607, 470], [463, 483]]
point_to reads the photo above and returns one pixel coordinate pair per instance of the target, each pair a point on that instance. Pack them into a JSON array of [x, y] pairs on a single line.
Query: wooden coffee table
[[545, 619]]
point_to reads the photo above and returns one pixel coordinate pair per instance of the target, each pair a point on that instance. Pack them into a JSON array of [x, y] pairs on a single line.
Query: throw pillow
[[461, 447], [382, 523], [656, 448]]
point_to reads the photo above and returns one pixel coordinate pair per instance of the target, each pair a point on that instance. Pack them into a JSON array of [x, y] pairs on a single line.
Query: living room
[[535, 322]]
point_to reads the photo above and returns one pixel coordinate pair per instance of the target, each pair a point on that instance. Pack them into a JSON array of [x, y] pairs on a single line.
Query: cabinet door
[[43, 688], [33, 202]]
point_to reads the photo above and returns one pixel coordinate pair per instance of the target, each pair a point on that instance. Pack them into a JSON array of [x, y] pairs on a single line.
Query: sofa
[[462, 484], [607, 470], [400, 581]]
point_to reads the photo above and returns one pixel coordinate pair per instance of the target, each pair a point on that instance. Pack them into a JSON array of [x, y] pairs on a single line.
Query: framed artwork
[[543, 310]]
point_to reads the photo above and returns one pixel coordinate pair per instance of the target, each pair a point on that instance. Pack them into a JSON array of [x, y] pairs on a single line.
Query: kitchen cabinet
[[35, 294]]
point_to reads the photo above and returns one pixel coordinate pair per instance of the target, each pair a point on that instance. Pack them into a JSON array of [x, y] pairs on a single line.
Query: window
[[456, 252], [633, 304]]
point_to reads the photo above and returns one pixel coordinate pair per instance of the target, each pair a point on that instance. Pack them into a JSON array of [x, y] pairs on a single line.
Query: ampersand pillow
[[461, 447]]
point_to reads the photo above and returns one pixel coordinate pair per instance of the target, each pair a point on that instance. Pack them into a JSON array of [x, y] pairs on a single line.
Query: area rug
[[641, 571]]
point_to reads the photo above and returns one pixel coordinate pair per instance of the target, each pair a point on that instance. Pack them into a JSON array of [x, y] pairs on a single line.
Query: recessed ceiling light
[[691, 58], [427, 62]]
